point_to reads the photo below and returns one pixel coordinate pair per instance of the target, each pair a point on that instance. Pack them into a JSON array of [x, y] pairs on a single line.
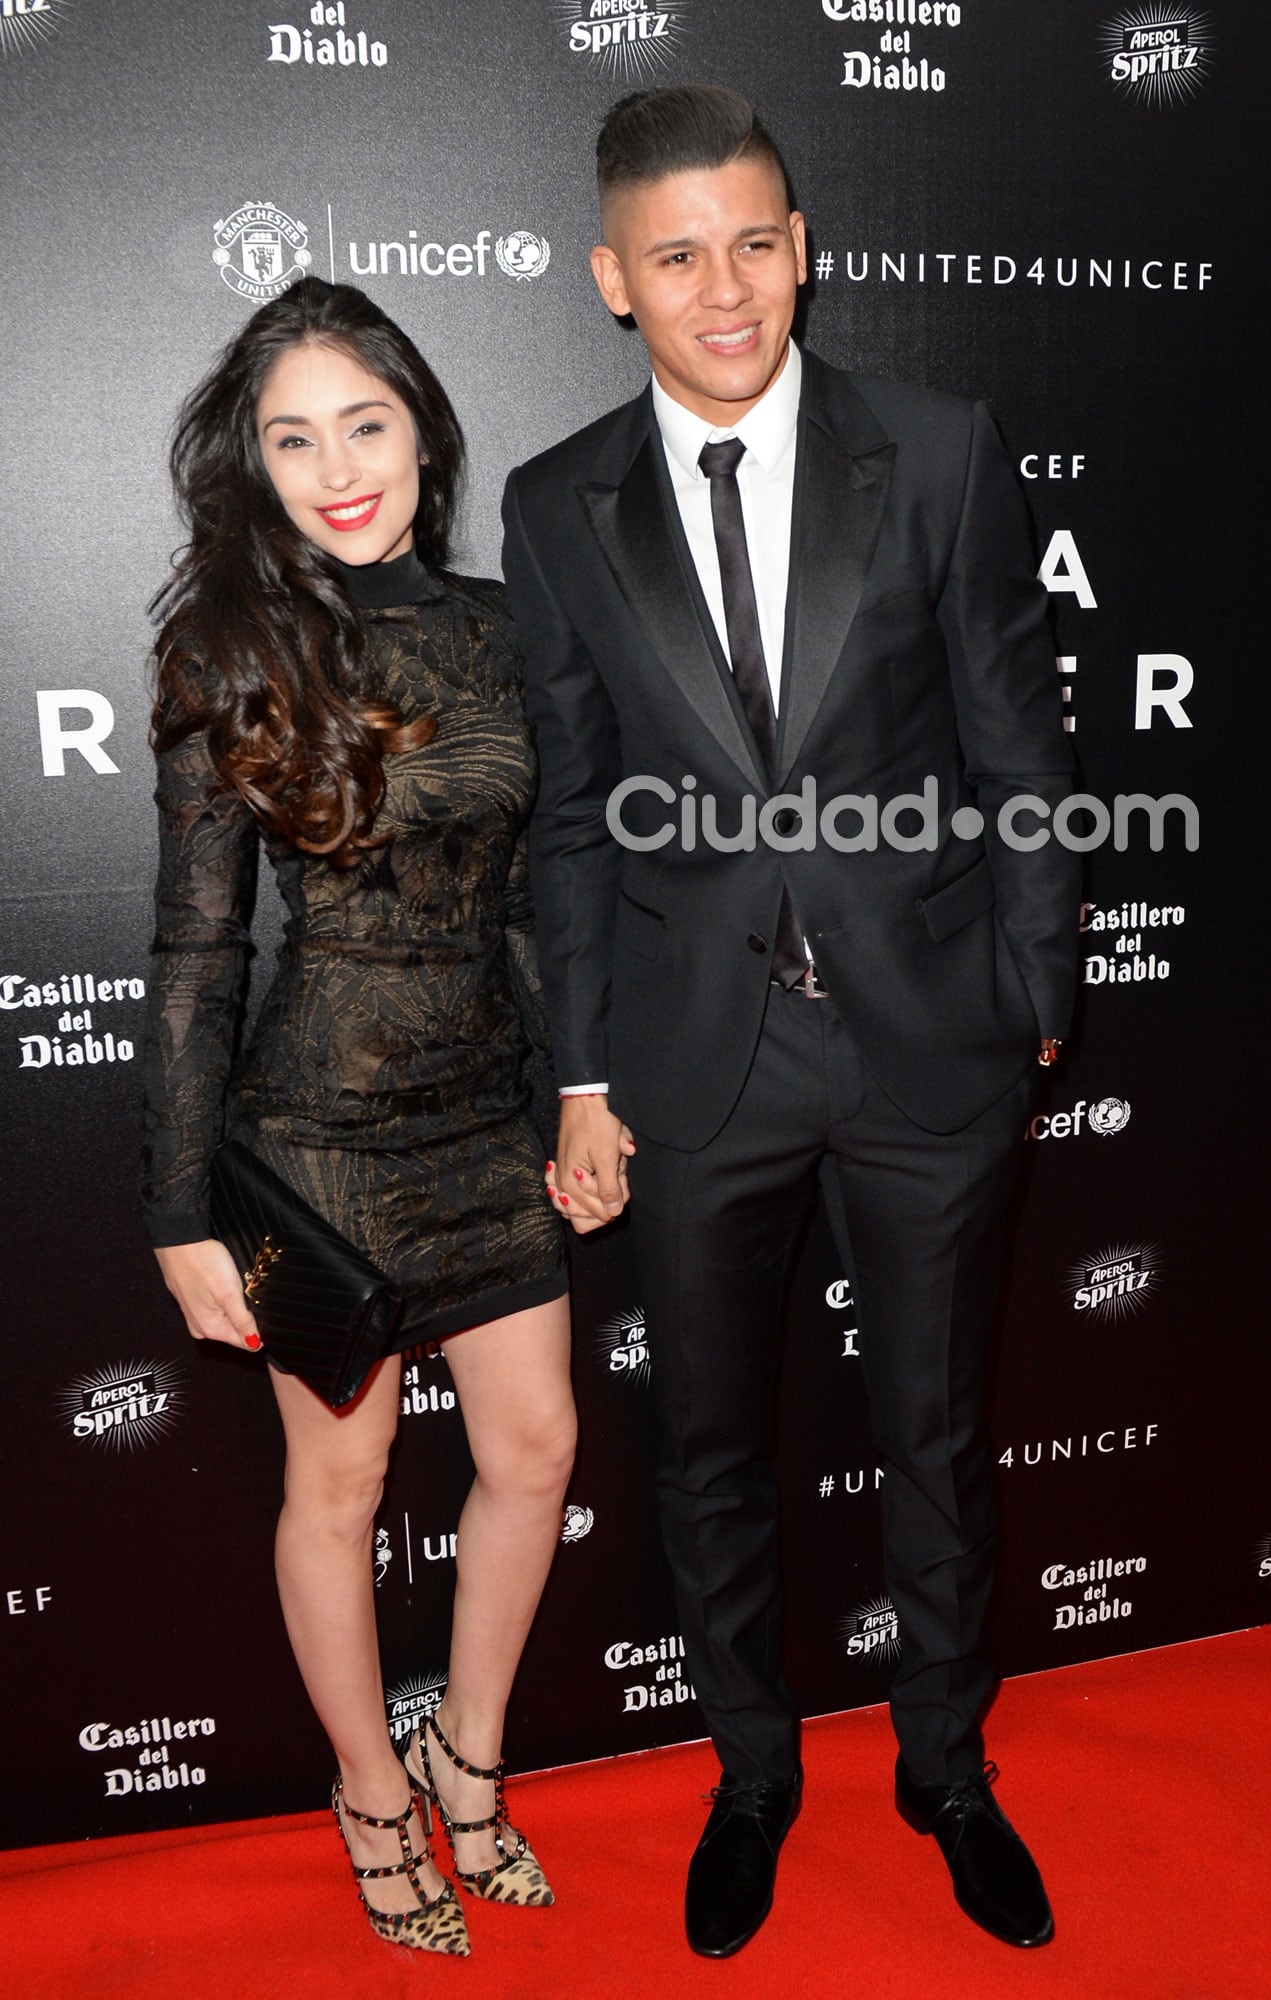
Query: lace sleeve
[[208, 848], [522, 954], [540, 1077]]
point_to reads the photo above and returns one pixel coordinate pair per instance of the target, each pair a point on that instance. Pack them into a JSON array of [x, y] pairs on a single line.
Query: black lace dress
[[386, 1080]]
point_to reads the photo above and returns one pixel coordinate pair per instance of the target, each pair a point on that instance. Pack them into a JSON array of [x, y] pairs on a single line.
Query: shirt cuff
[[583, 1090]]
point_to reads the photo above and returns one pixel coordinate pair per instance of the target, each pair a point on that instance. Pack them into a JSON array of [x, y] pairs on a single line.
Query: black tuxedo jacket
[[916, 650]]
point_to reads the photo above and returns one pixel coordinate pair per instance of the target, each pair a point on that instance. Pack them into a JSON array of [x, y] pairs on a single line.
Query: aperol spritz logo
[[24, 24], [1117, 1281], [623, 1345], [125, 1406], [631, 40], [409, 1701], [1158, 52], [871, 1629]]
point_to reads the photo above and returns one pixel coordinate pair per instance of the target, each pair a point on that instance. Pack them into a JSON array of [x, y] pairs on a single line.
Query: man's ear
[[798, 232], [610, 283]]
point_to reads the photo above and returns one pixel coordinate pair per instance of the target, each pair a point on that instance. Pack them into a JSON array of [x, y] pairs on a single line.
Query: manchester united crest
[[259, 251]]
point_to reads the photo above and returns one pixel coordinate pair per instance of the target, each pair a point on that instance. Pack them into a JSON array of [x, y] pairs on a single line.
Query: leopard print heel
[[434, 1926], [517, 1878]]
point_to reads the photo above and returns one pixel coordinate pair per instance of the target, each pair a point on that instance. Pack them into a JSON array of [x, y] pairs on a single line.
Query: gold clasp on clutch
[[268, 1254]]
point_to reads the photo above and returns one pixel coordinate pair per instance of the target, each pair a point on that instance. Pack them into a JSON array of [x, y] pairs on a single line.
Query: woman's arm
[[208, 848]]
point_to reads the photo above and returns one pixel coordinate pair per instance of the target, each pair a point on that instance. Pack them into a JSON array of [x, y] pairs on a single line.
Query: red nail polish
[[551, 1166], [254, 1341], [578, 1173], [564, 1201]]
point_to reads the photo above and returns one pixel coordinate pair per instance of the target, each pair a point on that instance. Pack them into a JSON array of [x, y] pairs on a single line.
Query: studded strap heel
[[517, 1878], [434, 1926]]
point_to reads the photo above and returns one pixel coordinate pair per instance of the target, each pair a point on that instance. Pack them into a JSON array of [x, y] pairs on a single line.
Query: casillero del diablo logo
[[1158, 52], [159, 1749]]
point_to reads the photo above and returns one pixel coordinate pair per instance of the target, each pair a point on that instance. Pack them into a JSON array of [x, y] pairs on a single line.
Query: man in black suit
[[799, 730]]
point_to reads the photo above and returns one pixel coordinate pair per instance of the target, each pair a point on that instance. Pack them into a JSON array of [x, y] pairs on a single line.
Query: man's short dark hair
[[687, 128]]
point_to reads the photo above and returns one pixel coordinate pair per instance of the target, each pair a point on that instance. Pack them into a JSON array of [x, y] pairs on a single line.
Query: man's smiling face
[[708, 263]]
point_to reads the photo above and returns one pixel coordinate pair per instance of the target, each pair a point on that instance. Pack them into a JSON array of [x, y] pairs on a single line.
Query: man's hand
[[587, 1181], [205, 1284]]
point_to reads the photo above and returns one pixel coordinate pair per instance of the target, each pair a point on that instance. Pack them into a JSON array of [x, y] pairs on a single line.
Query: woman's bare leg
[[334, 1481], [512, 1379]]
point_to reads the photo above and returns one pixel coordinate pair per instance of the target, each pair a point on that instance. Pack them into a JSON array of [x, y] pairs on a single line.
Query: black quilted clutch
[[323, 1309]]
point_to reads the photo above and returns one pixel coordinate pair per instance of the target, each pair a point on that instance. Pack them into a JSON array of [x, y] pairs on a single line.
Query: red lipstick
[[367, 505]]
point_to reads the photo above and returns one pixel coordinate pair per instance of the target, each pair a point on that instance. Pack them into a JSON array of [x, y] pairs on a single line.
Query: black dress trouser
[[713, 1232]]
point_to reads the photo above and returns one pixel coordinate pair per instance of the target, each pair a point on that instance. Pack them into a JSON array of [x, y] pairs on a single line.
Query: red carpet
[[1143, 1784]]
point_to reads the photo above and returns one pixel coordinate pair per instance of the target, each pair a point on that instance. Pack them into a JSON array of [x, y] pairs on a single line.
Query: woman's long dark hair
[[259, 645]]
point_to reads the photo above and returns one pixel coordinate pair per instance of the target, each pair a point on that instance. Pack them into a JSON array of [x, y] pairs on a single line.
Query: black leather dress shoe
[[734, 1865], [995, 1878]]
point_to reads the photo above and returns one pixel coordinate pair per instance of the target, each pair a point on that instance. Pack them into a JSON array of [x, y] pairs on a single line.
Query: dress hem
[[488, 1306]]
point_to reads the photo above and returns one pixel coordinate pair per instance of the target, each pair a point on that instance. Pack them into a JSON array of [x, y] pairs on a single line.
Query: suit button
[[756, 943], [785, 822]]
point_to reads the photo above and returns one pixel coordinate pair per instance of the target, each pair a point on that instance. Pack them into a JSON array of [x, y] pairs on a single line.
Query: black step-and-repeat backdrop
[[1045, 205]]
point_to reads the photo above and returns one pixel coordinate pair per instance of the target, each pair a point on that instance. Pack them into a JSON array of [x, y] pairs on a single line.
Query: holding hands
[[587, 1181]]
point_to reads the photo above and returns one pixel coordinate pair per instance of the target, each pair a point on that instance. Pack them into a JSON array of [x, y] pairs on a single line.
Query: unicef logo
[[259, 251], [523, 255], [382, 1556], [1110, 1114], [577, 1523]]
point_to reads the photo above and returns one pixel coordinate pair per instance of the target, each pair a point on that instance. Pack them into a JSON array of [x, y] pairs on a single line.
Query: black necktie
[[741, 614], [745, 648]]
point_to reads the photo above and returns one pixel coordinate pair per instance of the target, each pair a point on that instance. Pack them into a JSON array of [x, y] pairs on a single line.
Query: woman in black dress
[[328, 691]]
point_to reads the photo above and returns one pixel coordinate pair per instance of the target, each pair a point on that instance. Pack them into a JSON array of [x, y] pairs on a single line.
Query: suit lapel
[[841, 483], [842, 475], [646, 551]]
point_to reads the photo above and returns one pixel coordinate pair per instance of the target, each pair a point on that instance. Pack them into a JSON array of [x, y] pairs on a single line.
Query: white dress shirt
[[765, 480]]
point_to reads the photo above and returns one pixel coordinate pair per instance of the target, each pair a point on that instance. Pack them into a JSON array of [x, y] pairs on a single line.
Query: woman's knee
[[533, 1457], [341, 1494]]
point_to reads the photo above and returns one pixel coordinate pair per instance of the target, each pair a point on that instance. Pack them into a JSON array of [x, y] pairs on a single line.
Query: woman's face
[[341, 449]]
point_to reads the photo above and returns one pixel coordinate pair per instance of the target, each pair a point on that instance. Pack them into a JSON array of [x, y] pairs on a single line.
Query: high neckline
[[379, 585]]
